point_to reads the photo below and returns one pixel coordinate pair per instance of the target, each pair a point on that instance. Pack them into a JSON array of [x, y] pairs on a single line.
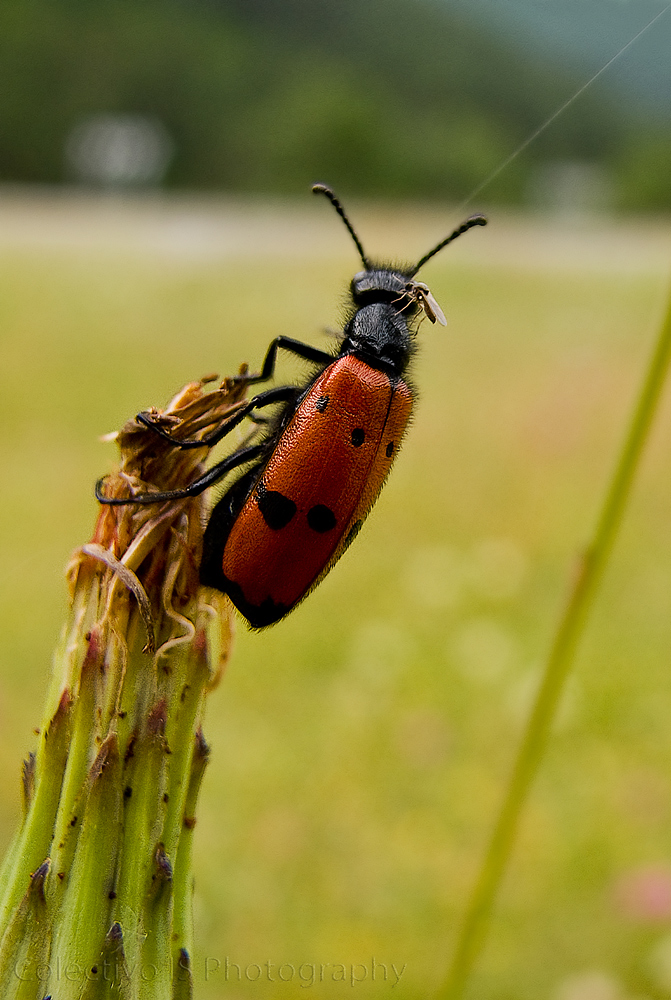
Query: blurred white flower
[[484, 649], [659, 963], [434, 577], [591, 985], [497, 568], [119, 150]]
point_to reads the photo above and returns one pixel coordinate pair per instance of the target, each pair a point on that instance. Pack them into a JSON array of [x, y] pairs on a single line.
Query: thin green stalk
[[571, 627], [182, 924]]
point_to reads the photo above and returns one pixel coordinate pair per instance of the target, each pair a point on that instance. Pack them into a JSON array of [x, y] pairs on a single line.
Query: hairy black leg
[[297, 347], [199, 485], [280, 395], [283, 394]]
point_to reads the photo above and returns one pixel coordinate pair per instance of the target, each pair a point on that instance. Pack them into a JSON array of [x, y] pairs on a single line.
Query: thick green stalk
[[571, 627], [95, 892]]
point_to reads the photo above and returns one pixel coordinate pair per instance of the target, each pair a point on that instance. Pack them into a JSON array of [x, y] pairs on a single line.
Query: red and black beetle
[[319, 465]]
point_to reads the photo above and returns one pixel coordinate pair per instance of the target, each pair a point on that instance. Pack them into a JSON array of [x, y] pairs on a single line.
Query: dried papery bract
[[95, 892]]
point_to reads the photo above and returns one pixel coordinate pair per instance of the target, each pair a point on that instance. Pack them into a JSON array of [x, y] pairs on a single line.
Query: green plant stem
[[96, 890], [571, 627]]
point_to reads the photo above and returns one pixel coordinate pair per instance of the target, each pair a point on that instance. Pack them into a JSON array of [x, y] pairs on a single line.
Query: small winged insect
[[310, 478]]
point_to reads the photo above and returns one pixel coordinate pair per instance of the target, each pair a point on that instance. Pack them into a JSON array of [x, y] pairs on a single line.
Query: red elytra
[[319, 484], [310, 479]]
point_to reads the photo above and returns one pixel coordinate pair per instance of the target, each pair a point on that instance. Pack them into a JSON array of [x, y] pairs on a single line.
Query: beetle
[[314, 473]]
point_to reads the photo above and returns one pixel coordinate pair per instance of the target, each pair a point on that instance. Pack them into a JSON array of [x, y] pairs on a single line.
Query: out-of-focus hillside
[[405, 97], [587, 35]]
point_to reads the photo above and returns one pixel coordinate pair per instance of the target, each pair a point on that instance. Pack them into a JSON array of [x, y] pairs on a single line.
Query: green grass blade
[[571, 627]]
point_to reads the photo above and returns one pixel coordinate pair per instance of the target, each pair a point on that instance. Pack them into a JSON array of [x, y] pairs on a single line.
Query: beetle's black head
[[380, 335], [380, 329], [381, 284]]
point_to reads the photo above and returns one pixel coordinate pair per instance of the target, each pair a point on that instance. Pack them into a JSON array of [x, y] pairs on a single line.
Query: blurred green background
[[407, 97], [361, 747]]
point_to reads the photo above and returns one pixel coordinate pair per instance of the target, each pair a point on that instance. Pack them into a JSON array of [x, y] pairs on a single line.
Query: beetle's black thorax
[[379, 330]]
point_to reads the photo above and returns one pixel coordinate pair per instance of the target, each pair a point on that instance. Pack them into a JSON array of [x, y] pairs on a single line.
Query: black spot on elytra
[[276, 509], [321, 518], [389, 450], [322, 403], [258, 615], [353, 532], [358, 436]]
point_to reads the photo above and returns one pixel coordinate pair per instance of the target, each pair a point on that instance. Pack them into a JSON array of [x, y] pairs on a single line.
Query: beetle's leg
[[282, 394], [297, 347], [212, 475]]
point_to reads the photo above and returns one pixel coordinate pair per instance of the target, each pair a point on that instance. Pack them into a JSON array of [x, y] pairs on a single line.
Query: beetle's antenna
[[474, 220], [325, 190]]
